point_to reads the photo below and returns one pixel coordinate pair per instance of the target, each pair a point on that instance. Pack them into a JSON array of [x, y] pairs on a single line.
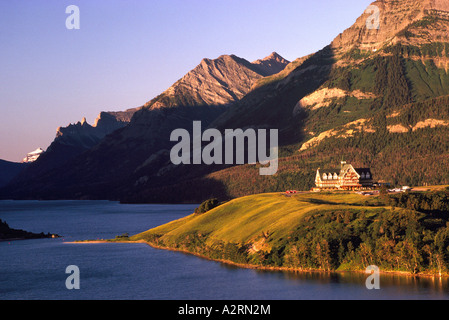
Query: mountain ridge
[[366, 86], [394, 17], [218, 83], [338, 102]]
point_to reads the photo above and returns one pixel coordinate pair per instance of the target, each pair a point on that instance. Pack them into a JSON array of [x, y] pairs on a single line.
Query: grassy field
[[245, 219], [337, 231], [263, 220]]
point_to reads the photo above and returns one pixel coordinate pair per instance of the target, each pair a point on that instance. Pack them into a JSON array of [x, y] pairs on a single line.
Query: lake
[[35, 269]]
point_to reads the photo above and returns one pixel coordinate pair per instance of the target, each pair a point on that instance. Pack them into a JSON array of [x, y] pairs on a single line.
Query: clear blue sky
[[128, 51]]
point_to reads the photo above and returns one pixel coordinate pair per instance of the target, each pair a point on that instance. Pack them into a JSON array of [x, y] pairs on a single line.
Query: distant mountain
[[9, 170], [85, 135], [33, 156], [104, 167], [73, 140], [270, 65]]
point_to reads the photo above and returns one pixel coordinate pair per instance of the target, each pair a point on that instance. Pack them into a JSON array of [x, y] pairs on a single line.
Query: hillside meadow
[[339, 231]]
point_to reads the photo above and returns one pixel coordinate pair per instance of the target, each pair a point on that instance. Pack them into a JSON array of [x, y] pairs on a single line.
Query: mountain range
[[377, 97], [101, 157]]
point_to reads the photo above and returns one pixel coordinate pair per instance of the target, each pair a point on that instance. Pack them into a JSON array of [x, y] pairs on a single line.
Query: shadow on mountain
[[269, 106], [133, 165], [10, 170], [106, 170], [188, 191]]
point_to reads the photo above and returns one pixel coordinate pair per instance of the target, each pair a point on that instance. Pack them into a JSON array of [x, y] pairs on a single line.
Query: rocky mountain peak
[[274, 56], [272, 64], [399, 21], [218, 81], [85, 135]]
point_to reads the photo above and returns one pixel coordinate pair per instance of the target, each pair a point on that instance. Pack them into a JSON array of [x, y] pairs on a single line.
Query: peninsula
[[327, 231], [9, 234]]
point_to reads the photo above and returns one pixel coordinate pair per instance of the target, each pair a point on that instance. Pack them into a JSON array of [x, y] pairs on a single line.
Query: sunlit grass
[[244, 219]]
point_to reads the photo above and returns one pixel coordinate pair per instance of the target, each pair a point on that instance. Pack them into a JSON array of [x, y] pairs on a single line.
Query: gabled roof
[[344, 169], [321, 172], [337, 171], [364, 171]]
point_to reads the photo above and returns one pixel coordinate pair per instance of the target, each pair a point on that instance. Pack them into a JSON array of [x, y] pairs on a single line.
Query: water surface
[[35, 269]]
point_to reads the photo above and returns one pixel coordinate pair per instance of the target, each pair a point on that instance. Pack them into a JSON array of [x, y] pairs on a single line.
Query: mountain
[[73, 140], [33, 156], [385, 101], [408, 22], [86, 136], [221, 81], [270, 65], [104, 167], [376, 97], [9, 170], [347, 67]]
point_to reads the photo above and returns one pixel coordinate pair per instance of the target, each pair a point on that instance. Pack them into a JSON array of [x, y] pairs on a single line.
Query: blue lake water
[[35, 269]]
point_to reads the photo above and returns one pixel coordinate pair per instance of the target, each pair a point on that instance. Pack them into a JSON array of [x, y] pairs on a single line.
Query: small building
[[345, 178]]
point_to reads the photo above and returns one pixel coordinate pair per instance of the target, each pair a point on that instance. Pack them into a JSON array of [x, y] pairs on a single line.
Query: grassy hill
[[318, 231]]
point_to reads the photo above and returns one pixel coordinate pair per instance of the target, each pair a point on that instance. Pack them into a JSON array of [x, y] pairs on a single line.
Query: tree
[[207, 206]]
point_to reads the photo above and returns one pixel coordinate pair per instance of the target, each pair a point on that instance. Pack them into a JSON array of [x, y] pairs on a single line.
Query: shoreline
[[293, 270], [262, 268], [29, 238]]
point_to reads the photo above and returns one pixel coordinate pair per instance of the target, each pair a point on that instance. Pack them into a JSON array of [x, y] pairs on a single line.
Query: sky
[[126, 52]]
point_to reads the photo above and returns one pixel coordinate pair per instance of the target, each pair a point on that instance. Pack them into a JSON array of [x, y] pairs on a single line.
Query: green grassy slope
[[244, 219], [325, 231]]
